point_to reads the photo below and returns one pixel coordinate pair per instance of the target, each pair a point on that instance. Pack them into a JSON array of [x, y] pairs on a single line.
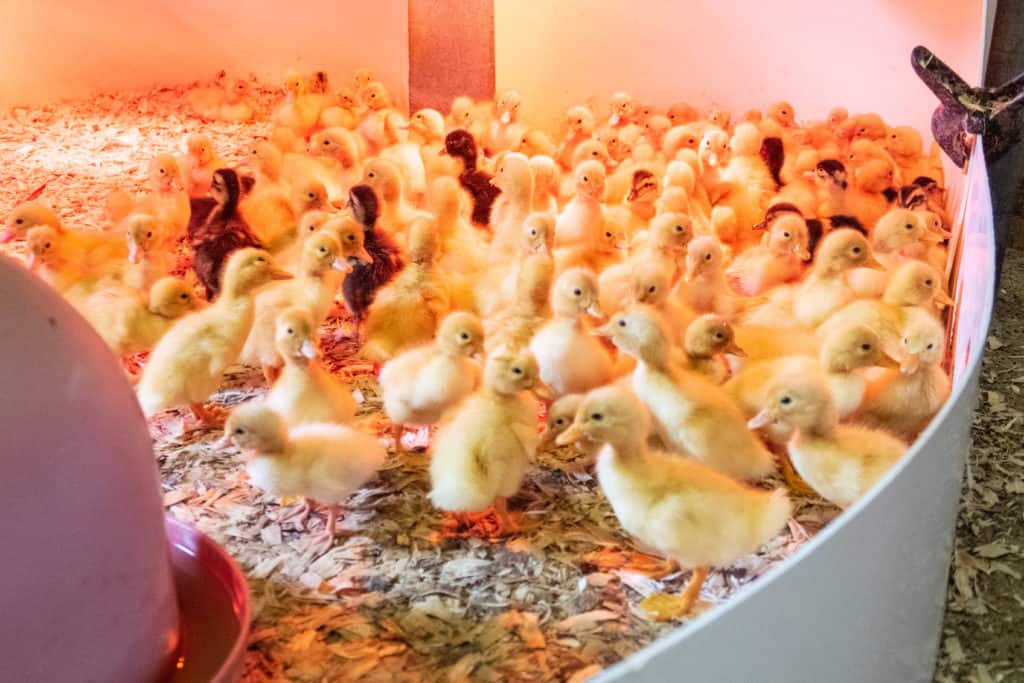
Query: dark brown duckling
[[361, 285], [461, 145], [221, 234]]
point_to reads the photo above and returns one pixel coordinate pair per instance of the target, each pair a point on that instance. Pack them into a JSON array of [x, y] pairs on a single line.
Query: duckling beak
[[943, 299], [873, 263], [614, 120], [605, 331], [308, 350], [802, 253], [506, 118], [887, 361], [594, 311], [30, 261], [6, 236], [223, 442], [133, 252], [762, 419], [342, 265], [932, 237], [735, 349], [633, 194], [909, 364], [571, 435], [543, 391], [280, 274]]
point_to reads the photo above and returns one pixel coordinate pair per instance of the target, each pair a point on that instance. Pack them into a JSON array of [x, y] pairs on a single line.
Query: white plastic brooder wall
[[51, 50]]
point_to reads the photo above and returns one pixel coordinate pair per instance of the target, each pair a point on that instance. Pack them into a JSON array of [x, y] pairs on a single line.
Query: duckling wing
[[338, 460]]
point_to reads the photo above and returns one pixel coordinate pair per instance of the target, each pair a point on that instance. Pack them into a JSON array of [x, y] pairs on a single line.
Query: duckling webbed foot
[[211, 417], [322, 542], [665, 607], [298, 513]]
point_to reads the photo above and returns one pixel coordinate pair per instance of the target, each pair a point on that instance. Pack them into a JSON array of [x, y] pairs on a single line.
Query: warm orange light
[[181, 663]]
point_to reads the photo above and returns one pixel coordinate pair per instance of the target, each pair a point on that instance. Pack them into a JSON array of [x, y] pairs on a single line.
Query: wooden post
[[451, 51]]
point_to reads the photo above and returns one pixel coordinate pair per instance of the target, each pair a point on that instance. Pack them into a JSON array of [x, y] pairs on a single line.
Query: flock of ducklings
[[690, 300]]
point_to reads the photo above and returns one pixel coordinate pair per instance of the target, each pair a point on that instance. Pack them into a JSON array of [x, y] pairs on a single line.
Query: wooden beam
[[451, 51]]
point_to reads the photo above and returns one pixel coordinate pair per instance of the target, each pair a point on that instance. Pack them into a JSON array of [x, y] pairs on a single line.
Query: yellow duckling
[[306, 392], [462, 250], [845, 352], [166, 200], [323, 462], [570, 359], [560, 416], [125, 320], [300, 110], [661, 246], [516, 324], [89, 250], [914, 285], [514, 178], [407, 310], [581, 221], [187, 364], [396, 214], [708, 338], [778, 260], [688, 511], [322, 270], [273, 214], [198, 164], [421, 384], [147, 262], [45, 254], [497, 286], [338, 151], [653, 287], [482, 451], [704, 288], [905, 402], [902, 234], [826, 290], [546, 179], [693, 415], [840, 462]]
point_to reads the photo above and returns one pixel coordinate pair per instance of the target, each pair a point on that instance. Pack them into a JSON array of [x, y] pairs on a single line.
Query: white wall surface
[[53, 49], [733, 54]]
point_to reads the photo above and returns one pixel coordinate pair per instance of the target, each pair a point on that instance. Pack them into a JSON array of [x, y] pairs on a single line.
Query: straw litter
[[395, 599]]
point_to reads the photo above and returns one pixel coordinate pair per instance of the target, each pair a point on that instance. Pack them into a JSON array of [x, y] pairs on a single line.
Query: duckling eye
[[517, 371], [607, 234], [784, 112], [856, 250], [46, 246], [719, 335], [785, 234], [373, 95], [691, 141], [652, 289], [909, 226], [20, 221], [310, 195], [930, 347], [622, 323], [290, 331], [865, 347], [183, 296], [707, 257], [560, 421], [577, 292], [586, 179], [149, 234], [239, 430], [464, 336], [906, 341], [786, 400], [326, 142], [928, 282], [679, 228], [579, 120], [162, 171], [351, 238], [323, 250], [533, 232], [371, 174], [593, 154], [596, 417], [260, 259]]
